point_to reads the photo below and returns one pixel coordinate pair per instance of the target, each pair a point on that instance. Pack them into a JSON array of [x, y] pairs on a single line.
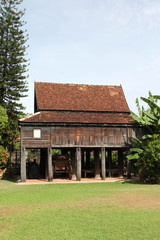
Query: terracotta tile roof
[[78, 117], [53, 96]]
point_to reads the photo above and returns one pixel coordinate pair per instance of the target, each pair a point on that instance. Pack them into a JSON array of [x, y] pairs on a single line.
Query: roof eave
[[48, 124]]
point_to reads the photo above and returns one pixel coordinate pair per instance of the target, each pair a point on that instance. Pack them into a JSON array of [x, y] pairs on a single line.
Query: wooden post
[[23, 164], [103, 163], [73, 158], [50, 169], [78, 158], [46, 163], [120, 162], [97, 163], [110, 162]]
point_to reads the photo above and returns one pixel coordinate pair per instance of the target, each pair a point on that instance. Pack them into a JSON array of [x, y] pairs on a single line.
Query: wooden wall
[[28, 140], [77, 137]]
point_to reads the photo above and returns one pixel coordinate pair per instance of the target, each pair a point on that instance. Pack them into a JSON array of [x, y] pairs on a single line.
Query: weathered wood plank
[[32, 144], [118, 136], [23, 164], [50, 169], [74, 163], [103, 163], [71, 136], [76, 136], [78, 158], [98, 136], [91, 136], [85, 136], [125, 135], [112, 136], [105, 136]]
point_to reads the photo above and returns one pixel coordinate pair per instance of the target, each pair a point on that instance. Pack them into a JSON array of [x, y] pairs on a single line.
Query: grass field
[[97, 211]]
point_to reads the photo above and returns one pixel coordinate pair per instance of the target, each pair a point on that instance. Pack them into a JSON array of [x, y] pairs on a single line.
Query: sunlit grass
[[79, 211]]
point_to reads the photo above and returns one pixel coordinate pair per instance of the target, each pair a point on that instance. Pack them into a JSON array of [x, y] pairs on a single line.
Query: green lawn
[[108, 211]]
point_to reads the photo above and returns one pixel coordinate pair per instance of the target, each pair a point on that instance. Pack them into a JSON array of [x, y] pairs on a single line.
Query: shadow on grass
[[12, 179], [130, 181]]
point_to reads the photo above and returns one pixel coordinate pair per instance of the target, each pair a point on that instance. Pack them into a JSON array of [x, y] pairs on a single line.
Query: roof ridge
[[81, 84]]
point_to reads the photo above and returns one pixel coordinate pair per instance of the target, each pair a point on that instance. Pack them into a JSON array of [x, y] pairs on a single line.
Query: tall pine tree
[[13, 63]]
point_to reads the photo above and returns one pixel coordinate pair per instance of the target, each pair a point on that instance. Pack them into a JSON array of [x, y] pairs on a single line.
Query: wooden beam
[[103, 163], [23, 164], [78, 158], [50, 169]]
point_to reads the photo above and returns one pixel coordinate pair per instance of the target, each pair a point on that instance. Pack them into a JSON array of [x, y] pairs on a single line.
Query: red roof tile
[[78, 117], [52, 96]]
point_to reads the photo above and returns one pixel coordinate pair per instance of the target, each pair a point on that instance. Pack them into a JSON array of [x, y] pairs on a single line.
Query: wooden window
[[37, 133]]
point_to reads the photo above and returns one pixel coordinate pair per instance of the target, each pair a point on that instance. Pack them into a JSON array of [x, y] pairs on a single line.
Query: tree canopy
[[3, 122], [3, 118], [150, 118], [13, 63]]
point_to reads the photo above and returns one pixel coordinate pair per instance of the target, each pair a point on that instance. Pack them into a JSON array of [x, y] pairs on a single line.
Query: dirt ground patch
[[126, 199], [10, 210], [138, 200], [134, 200]]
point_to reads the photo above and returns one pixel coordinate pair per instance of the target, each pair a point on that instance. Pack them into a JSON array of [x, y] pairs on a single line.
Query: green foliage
[[150, 118], [149, 160], [56, 152], [147, 150], [4, 157], [3, 118], [2, 148], [13, 65], [114, 159], [3, 121]]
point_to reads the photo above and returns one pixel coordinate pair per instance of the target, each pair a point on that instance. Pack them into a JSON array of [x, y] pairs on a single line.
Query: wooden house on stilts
[[79, 119]]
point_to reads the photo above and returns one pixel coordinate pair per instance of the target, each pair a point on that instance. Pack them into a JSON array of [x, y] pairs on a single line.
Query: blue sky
[[100, 42]]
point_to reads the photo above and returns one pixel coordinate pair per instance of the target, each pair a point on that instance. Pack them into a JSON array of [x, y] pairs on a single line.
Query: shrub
[[147, 150], [149, 162], [147, 154], [2, 148], [4, 157]]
